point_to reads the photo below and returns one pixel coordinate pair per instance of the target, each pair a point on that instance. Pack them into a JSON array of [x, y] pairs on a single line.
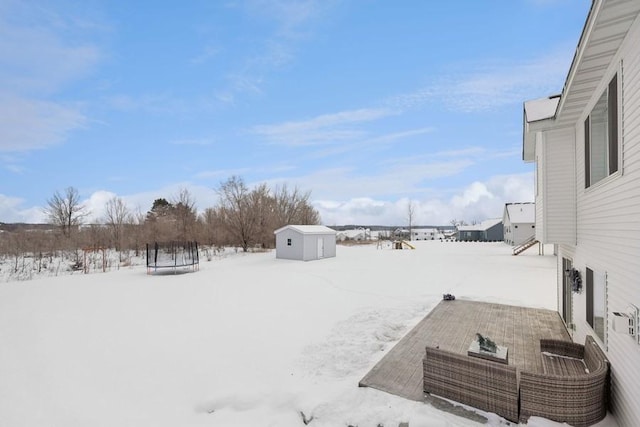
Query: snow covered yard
[[247, 341]]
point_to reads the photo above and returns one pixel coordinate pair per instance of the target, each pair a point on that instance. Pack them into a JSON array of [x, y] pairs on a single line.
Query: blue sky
[[368, 104]]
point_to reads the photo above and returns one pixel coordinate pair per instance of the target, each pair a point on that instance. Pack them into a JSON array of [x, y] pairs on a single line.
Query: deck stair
[[531, 241]]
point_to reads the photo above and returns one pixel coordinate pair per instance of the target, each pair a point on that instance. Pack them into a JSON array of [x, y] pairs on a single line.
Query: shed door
[[320, 247]]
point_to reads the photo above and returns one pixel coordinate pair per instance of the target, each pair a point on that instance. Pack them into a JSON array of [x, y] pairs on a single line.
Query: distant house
[[401, 233], [519, 221], [424, 234], [489, 230], [357, 234], [585, 144], [305, 242]]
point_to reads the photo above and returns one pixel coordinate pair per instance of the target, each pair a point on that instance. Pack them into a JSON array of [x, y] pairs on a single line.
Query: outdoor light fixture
[[626, 322]]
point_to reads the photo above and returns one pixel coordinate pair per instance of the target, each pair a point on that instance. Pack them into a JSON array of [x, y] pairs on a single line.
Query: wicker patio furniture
[[573, 388], [486, 385]]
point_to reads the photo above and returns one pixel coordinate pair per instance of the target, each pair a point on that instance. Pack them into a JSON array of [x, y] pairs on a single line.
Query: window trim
[[613, 151], [590, 297]]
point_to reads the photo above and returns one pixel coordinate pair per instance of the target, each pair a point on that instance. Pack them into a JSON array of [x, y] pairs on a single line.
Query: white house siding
[[522, 233], [559, 191], [608, 235], [516, 233], [519, 222], [424, 234], [295, 251], [311, 246], [304, 242], [607, 214], [540, 186]]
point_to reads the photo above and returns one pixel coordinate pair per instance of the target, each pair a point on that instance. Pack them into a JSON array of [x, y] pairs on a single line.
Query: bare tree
[[66, 211], [117, 215], [308, 215], [138, 235], [286, 204], [159, 223], [410, 216], [251, 216], [261, 208], [293, 207], [185, 214], [236, 211], [211, 226], [457, 223]]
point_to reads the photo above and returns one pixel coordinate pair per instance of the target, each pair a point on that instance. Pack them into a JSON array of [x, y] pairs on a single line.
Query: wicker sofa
[[573, 388], [483, 384]]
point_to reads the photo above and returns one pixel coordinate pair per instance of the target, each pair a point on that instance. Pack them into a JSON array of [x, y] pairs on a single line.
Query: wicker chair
[[486, 385], [567, 392]]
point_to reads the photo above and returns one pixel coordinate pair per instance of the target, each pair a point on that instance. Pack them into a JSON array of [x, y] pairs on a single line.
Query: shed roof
[[520, 213], [307, 229]]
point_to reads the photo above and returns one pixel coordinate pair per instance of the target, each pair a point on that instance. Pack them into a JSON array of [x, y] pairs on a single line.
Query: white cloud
[[470, 151], [471, 195], [323, 129], [203, 196], [400, 176], [95, 205], [154, 103], [40, 52], [35, 58], [287, 24], [477, 201], [391, 137], [222, 174], [291, 16], [491, 85], [28, 124], [12, 210]]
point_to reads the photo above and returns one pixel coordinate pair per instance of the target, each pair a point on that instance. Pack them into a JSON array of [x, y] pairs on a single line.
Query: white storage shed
[[305, 242]]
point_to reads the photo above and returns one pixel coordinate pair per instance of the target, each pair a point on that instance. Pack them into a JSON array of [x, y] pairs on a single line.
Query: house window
[[288, 242], [601, 136], [596, 289]]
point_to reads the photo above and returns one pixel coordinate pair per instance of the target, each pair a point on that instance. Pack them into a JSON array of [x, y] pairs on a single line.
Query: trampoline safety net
[[172, 255]]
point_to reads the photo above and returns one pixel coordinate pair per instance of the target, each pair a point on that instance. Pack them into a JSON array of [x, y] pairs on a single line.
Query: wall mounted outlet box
[[623, 323]]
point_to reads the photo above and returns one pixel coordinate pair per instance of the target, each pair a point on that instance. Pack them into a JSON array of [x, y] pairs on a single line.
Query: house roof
[[307, 229], [604, 32], [541, 109], [536, 110], [520, 213], [354, 233], [483, 226]]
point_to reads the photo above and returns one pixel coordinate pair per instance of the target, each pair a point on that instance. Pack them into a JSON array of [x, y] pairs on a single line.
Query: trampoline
[[172, 256]]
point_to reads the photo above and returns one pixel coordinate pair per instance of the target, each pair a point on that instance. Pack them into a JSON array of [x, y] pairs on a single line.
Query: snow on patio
[[248, 340]]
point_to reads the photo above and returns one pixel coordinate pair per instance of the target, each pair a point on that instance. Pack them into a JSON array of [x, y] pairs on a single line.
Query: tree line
[[243, 217]]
